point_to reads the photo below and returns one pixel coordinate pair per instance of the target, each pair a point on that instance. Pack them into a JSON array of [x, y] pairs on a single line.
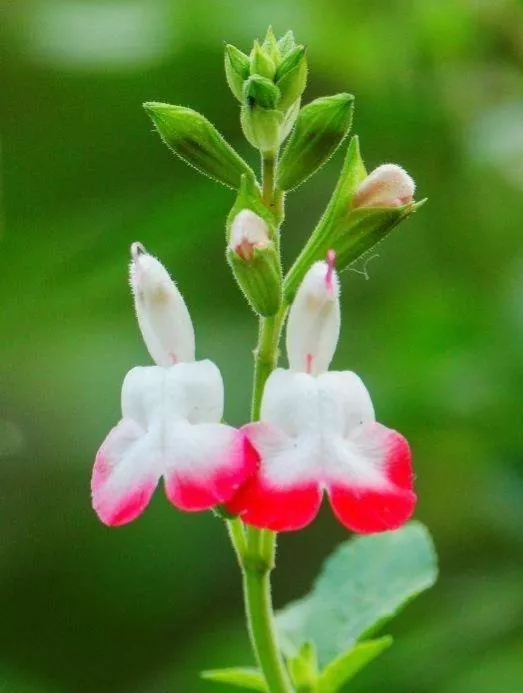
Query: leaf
[[237, 676], [346, 666], [362, 585]]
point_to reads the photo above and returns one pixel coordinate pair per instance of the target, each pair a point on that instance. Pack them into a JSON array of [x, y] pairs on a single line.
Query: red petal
[[368, 510]]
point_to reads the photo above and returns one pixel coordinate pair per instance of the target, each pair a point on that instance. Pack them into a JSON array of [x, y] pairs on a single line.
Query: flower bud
[[286, 43], [388, 185], [163, 317], [195, 140], [350, 231], [314, 319], [271, 46], [320, 129], [291, 77], [237, 66], [260, 92], [254, 262], [261, 63], [261, 123]]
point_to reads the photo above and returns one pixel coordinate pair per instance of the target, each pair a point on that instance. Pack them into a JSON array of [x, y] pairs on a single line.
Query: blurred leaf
[[242, 678], [362, 585], [346, 666]]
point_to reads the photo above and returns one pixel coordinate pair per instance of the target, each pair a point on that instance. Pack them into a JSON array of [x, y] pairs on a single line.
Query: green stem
[[256, 548]]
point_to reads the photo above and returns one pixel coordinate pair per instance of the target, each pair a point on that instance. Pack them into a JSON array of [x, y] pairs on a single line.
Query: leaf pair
[[362, 585]]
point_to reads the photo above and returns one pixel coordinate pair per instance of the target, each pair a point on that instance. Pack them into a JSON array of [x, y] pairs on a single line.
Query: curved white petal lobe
[[163, 317], [248, 231], [314, 321]]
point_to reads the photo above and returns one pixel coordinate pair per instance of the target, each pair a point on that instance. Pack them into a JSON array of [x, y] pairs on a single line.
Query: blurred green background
[[436, 330]]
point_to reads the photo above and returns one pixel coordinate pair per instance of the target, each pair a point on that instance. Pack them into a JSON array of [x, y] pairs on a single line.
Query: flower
[[318, 432], [171, 415], [388, 185], [248, 231]]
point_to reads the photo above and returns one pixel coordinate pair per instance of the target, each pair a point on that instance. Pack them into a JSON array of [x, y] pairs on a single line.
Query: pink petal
[[376, 507], [206, 464], [123, 479], [283, 495]]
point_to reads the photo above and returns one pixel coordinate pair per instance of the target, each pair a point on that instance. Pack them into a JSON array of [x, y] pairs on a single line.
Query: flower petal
[[284, 494], [314, 320], [191, 391], [163, 317], [370, 481], [345, 402], [290, 402], [125, 474], [205, 464]]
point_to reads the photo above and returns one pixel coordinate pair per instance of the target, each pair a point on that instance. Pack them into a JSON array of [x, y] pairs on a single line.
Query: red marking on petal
[[113, 507], [331, 257], [192, 494], [367, 510], [308, 363], [280, 510]]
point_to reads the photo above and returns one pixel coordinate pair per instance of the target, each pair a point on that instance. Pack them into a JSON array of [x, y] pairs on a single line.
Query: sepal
[[237, 66], [261, 62], [303, 668], [344, 667], [197, 142], [291, 76], [241, 677], [320, 128], [350, 232]]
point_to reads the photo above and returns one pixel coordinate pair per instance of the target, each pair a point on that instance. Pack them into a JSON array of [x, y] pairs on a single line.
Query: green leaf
[[362, 585], [342, 669], [321, 127], [236, 676], [195, 140]]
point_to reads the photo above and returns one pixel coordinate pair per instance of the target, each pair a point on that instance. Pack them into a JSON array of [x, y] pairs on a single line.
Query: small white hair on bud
[[389, 185], [313, 326], [162, 314], [248, 231]]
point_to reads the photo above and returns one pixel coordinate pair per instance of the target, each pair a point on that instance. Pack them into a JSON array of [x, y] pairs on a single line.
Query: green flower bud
[[287, 43], [195, 140], [291, 77], [260, 121], [348, 230], [236, 70], [251, 250], [270, 46], [261, 63], [260, 91], [320, 128]]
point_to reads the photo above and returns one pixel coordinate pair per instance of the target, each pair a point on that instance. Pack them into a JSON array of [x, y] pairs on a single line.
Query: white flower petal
[[314, 321], [388, 185], [163, 317]]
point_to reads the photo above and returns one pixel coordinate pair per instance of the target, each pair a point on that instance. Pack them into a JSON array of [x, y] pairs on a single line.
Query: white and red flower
[[171, 415], [318, 433]]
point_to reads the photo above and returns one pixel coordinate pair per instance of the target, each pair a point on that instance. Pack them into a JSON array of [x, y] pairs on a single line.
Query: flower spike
[[163, 317]]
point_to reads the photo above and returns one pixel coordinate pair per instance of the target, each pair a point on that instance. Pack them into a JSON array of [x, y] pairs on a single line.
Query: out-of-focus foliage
[[436, 332]]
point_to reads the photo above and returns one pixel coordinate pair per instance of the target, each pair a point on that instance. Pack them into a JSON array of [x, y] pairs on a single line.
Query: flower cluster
[[317, 430]]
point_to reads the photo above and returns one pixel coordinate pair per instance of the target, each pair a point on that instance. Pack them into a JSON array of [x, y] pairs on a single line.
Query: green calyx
[[195, 140], [349, 232], [321, 127]]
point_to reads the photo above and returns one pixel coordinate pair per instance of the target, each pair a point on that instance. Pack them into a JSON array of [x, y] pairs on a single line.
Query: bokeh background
[[433, 323]]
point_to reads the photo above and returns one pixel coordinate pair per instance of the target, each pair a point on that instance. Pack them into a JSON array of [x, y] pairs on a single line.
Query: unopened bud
[[261, 63], [320, 128], [163, 317], [237, 66], [314, 319], [195, 140], [248, 231], [291, 77], [388, 185], [254, 261]]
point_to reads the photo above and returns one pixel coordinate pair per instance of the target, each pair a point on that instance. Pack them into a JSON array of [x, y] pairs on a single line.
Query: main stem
[[256, 548]]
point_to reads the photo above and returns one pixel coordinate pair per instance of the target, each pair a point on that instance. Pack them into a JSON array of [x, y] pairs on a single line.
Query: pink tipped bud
[[388, 185], [163, 317], [248, 231], [314, 319]]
